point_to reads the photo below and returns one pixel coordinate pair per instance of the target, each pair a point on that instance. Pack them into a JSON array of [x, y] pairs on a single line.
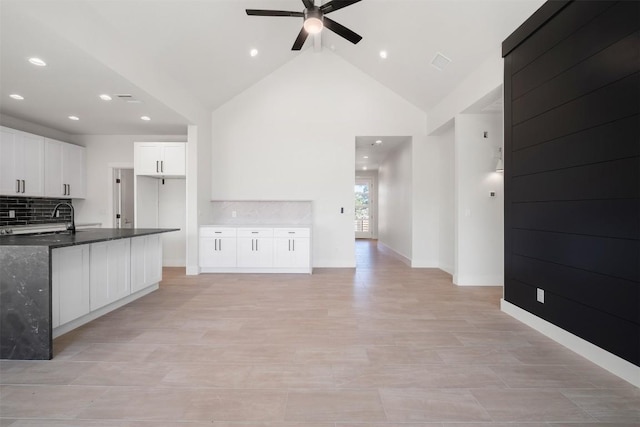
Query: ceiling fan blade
[[334, 5], [341, 30], [308, 3], [259, 12], [302, 37]]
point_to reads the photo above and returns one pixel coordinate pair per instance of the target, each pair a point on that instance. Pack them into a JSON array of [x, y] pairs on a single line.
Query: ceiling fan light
[[313, 25]]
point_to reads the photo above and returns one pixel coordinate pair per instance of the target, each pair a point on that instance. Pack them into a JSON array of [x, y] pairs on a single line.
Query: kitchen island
[[52, 283]]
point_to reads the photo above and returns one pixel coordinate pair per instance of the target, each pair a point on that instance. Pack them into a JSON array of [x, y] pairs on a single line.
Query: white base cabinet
[[292, 248], [146, 261], [255, 250], [70, 284], [88, 281], [218, 247], [110, 272]]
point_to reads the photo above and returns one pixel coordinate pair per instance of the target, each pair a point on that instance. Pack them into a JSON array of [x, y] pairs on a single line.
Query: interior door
[[362, 221]]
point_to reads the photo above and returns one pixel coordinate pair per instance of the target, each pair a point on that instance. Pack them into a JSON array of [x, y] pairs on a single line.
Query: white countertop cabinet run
[[227, 249]]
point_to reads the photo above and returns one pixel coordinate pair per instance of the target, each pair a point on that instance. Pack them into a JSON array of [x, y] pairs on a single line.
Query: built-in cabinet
[[291, 247], [70, 284], [64, 169], [218, 247], [161, 159], [35, 166], [21, 163], [110, 272], [93, 279], [146, 261], [255, 249]]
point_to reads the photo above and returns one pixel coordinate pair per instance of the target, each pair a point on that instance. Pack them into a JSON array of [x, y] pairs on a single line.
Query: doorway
[[363, 221], [123, 198]]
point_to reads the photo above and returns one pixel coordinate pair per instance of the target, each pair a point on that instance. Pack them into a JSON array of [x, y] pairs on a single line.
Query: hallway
[[382, 345]]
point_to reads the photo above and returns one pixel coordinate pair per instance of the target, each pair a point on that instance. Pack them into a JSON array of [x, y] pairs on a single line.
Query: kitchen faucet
[[72, 225]]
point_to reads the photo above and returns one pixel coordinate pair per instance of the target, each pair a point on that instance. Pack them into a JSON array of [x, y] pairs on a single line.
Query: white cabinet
[[162, 159], [146, 261], [217, 247], [70, 283], [255, 247], [292, 248], [64, 169], [110, 272], [21, 163]]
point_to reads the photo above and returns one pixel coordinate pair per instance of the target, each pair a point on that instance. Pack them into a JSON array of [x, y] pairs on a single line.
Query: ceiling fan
[[315, 20]]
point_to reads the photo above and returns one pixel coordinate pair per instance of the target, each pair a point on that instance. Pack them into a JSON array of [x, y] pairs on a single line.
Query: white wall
[[479, 217], [36, 129], [425, 184], [395, 206], [445, 200], [291, 136]]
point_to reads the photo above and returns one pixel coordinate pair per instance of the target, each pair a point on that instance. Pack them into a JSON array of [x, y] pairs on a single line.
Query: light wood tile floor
[[384, 345]]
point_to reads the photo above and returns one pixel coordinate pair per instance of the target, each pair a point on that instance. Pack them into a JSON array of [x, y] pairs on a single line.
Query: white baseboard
[[612, 363], [390, 251], [473, 280], [192, 270]]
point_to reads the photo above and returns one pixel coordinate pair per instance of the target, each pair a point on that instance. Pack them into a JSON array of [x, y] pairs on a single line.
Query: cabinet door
[[173, 160], [153, 259], [218, 252], [30, 164], [110, 272], [73, 170], [53, 184], [255, 252], [137, 263], [291, 252], [146, 159], [70, 278], [8, 175]]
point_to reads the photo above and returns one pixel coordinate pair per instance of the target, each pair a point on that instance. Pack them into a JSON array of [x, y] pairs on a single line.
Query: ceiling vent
[[440, 61], [127, 97]]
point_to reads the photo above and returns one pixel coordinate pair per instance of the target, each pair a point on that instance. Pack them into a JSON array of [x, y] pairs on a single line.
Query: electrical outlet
[[12, 214], [540, 295]]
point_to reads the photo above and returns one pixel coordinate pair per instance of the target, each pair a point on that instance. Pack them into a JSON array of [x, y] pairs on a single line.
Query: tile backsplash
[[262, 213], [31, 211]]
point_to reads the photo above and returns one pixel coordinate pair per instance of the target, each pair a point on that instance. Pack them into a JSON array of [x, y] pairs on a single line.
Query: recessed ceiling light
[[16, 96], [74, 118], [37, 61], [383, 54], [378, 142], [364, 168], [105, 97], [145, 118], [365, 157], [253, 52]]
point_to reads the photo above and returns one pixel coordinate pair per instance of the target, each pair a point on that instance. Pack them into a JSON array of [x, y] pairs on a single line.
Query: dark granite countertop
[[82, 237]]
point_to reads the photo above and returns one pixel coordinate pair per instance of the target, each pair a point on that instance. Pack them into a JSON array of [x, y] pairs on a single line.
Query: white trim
[[192, 270], [306, 270], [110, 168], [390, 251], [477, 280], [612, 363], [67, 327]]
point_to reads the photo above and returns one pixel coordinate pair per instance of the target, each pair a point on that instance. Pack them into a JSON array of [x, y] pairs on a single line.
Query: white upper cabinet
[[161, 159], [21, 163], [64, 169]]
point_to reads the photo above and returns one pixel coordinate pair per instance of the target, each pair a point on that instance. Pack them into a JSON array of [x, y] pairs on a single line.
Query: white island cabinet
[[110, 272], [146, 261], [69, 283]]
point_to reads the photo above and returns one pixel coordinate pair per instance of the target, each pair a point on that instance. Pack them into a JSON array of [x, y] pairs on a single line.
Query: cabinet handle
[[23, 186], [17, 185], [64, 189], [215, 245], [252, 245], [256, 245], [220, 244], [157, 166], [294, 245], [68, 189], [161, 165], [289, 241]]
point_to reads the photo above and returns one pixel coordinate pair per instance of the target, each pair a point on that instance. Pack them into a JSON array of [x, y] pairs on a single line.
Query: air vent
[[440, 61], [127, 97]]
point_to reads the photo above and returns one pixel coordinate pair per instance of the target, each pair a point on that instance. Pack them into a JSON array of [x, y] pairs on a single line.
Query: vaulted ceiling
[[203, 46]]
